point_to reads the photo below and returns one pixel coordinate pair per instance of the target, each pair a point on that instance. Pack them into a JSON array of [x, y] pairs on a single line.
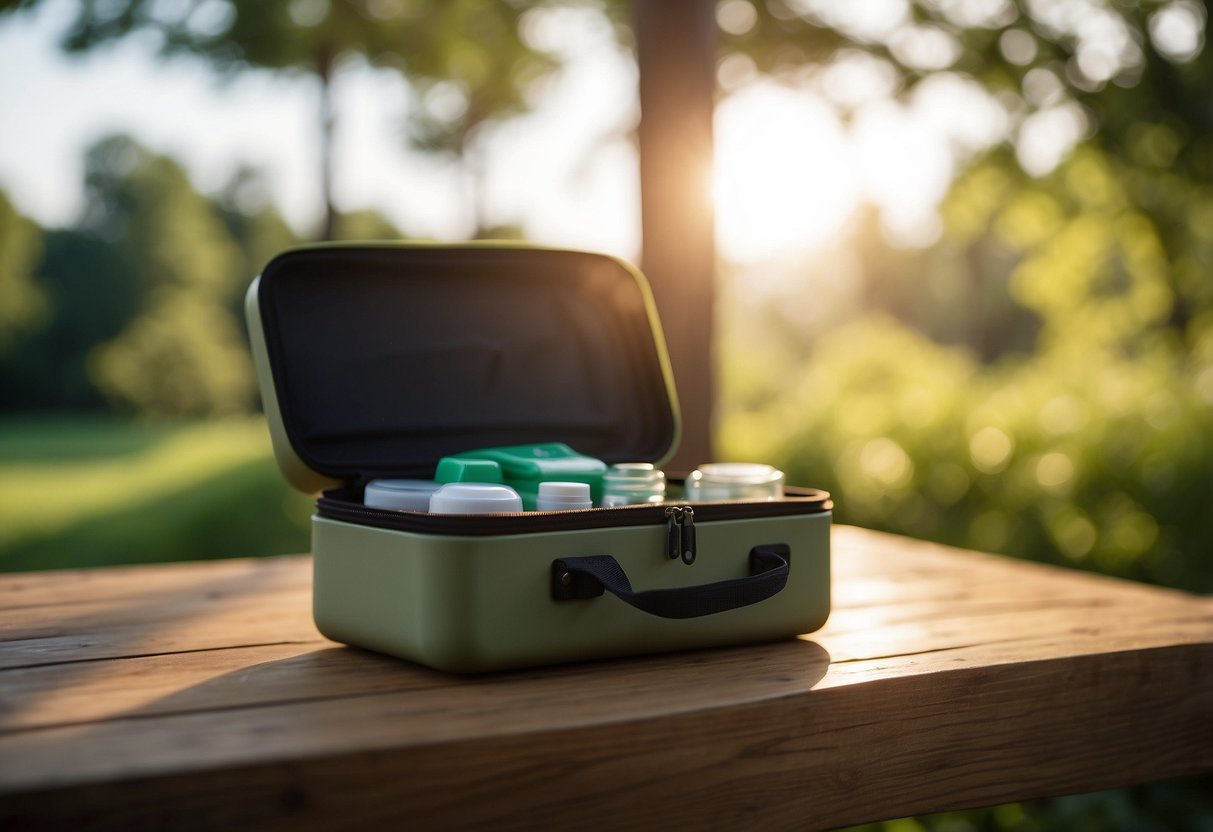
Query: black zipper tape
[[800, 501]]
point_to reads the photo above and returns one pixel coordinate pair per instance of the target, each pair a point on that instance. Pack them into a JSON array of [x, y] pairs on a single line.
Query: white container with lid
[[408, 495], [474, 498]]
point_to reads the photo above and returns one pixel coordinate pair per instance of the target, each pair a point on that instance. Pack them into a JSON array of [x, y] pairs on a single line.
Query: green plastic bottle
[[523, 467]]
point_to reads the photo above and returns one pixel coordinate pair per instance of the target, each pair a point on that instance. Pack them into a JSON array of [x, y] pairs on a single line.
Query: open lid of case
[[377, 360]]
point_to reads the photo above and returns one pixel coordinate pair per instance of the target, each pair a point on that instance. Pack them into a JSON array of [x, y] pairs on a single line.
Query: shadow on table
[[665, 682], [62, 646], [281, 727]]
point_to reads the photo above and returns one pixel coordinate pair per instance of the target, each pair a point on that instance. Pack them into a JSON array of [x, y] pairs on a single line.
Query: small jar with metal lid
[[719, 481], [633, 483]]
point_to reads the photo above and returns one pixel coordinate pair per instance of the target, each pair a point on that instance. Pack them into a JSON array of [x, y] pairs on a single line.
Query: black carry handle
[[587, 577]]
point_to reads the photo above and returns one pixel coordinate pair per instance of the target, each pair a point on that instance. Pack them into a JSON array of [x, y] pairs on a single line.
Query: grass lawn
[[93, 492]]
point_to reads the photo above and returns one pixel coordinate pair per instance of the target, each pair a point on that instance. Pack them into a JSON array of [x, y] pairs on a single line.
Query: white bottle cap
[[410, 495], [562, 496], [474, 498]]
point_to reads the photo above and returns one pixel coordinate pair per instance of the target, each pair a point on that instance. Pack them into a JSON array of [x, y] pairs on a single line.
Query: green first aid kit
[[379, 361]]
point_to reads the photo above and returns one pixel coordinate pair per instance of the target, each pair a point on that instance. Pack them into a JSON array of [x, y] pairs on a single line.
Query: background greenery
[[93, 492], [1038, 381]]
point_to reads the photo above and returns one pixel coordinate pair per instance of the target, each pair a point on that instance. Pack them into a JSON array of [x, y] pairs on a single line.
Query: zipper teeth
[[514, 523]]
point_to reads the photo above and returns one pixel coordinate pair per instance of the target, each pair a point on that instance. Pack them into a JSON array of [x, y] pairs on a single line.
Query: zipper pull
[[680, 533], [673, 532], [688, 535]]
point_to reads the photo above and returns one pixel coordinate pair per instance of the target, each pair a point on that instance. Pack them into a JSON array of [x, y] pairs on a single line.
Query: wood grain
[[198, 696], [125, 584]]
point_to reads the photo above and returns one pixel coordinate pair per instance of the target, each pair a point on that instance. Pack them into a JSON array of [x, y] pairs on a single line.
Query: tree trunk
[[324, 71], [473, 167], [676, 54]]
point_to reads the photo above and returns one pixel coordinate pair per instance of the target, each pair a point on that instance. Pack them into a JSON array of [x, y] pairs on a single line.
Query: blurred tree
[[24, 305], [368, 225], [466, 58], [482, 70], [89, 297], [1130, 81], [183, 353], [247, 209], [1074, 425]]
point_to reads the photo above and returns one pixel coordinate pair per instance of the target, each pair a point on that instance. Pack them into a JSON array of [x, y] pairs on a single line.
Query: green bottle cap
[[457, 469]]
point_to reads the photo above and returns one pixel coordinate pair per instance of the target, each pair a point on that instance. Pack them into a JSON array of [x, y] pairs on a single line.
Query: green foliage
[[145, 205], [1175, 806], [368, 225], [179, 358], [183, 353], [478, 68], [24, 304], [89, 297], [140, 307], [140, 302], [94, 492], [1083, 458], [1068, 422], [1038, 382]]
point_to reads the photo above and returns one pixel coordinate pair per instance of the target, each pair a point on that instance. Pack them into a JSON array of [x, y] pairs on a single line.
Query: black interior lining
[[387, 358]]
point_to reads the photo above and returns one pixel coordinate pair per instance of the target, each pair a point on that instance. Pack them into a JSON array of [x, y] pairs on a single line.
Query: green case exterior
[[475, 604]]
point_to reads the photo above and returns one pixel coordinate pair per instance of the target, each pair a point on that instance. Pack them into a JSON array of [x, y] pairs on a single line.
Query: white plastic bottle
[[563, 496], [474, 498], [407, 495]]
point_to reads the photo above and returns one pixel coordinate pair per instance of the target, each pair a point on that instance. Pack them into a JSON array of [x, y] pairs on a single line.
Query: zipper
[[527, 522], [680, 533], [806, 501]]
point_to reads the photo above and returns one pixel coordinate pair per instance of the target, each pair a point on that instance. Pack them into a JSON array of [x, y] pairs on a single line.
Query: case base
[[483, 603]]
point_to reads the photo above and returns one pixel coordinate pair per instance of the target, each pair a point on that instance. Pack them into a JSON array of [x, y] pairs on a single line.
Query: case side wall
[[292, 467]]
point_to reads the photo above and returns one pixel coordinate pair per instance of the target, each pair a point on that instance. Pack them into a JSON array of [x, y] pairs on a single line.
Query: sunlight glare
[[783, 180]]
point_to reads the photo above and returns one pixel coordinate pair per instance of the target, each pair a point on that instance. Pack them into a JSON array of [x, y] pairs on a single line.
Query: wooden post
[[676, 54]]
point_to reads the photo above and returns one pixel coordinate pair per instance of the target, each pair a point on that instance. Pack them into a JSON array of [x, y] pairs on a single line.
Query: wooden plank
[[910, 564], [818, 759], [79, 692], [237, 616], [125, 584], [870, 562], [67, 693], [918, 705], [248, 624], [86, 691], [223, 679], [143, 612], [158, 610]]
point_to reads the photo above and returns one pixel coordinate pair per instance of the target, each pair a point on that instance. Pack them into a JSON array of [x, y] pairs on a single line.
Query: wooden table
[[200, 696]]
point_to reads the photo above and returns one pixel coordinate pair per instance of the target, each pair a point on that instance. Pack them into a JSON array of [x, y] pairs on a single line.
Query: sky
[[788, 173], [570, 178]]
